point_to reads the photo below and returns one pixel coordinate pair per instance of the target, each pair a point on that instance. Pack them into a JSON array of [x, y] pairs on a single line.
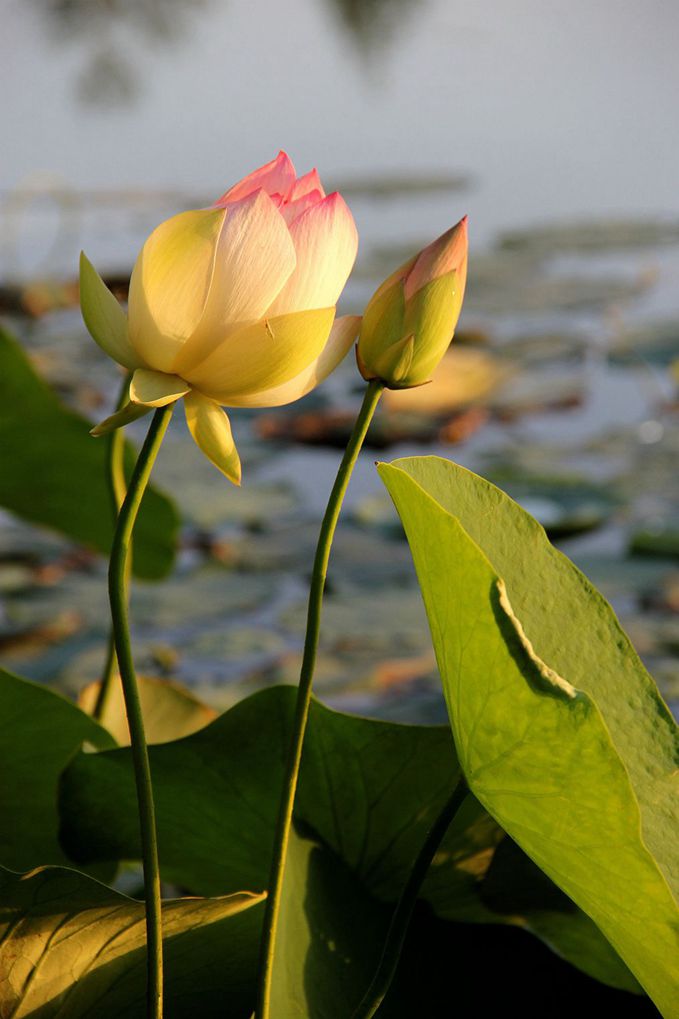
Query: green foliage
[[369, 790], [54, 472], [70, 946], [39, 733], [568, 749], [329, 936], [559, 729]]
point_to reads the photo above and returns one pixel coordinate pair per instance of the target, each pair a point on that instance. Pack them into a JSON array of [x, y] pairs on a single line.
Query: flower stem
[[320, 567], [398, 928], [117, 587], [117, 485]]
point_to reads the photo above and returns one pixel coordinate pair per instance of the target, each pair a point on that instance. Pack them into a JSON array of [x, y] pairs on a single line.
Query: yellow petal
[[255, 257], [342, 336], [130, 412], [156, 389], [170, 284], [211, 430], [105, 319], [263, 355]]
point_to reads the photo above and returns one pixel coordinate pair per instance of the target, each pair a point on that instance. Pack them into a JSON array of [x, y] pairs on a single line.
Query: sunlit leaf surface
[[70, 946], [560, 730]]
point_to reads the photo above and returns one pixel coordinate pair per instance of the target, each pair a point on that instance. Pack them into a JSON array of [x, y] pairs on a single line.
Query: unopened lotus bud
[[410, 320]]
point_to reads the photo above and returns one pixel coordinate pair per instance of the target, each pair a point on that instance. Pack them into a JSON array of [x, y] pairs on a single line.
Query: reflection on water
[[111, 72], [373, 22]]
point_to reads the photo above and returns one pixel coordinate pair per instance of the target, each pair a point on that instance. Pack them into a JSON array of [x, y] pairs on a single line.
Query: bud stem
[[117, 587], [115, 476], [320, 567], [400, 921]]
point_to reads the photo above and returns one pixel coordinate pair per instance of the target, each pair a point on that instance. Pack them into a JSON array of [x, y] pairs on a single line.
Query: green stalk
[[398, 928], [320, 568], [117, 587], [115, 476]]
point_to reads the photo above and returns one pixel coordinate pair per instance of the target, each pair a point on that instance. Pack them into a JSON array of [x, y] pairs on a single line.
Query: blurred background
[[553, 125]]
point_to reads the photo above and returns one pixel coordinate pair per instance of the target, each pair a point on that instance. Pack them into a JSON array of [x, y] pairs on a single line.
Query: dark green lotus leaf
[[54, 472], [369, 790], [40, 731]]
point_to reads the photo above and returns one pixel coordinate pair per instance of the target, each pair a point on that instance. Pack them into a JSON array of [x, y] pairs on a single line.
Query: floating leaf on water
[[592, 236], [534, 391], [565, 506], [544, 348], [463, 377], [655, 342], [170, 710], [660, 540], [332, 428], [515, 282]]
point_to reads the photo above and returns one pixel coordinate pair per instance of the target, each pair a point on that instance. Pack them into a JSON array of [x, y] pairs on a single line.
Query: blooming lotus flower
[[232, 306], [409, 322]]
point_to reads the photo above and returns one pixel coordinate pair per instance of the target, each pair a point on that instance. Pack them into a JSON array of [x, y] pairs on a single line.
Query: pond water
[[551, 125]]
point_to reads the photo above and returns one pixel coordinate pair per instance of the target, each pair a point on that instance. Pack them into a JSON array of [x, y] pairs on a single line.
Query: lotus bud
[[232, 306], [410, 320]]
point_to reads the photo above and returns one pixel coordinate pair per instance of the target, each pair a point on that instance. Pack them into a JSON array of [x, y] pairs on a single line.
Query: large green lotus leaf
[[54, 472], [71, 947], [40, 731], [561, 732], [330, 936], [514, 887], [368, 788]]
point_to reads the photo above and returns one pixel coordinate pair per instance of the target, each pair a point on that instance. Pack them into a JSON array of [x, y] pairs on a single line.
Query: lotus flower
[[232, 306], [410, 319]]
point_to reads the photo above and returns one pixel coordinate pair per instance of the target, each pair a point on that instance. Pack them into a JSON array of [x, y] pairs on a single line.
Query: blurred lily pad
[[517, 282], [170, 710], [657, 342], [564, 506], [464, 376], [611, 235], [54, 472], [661, 540]]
